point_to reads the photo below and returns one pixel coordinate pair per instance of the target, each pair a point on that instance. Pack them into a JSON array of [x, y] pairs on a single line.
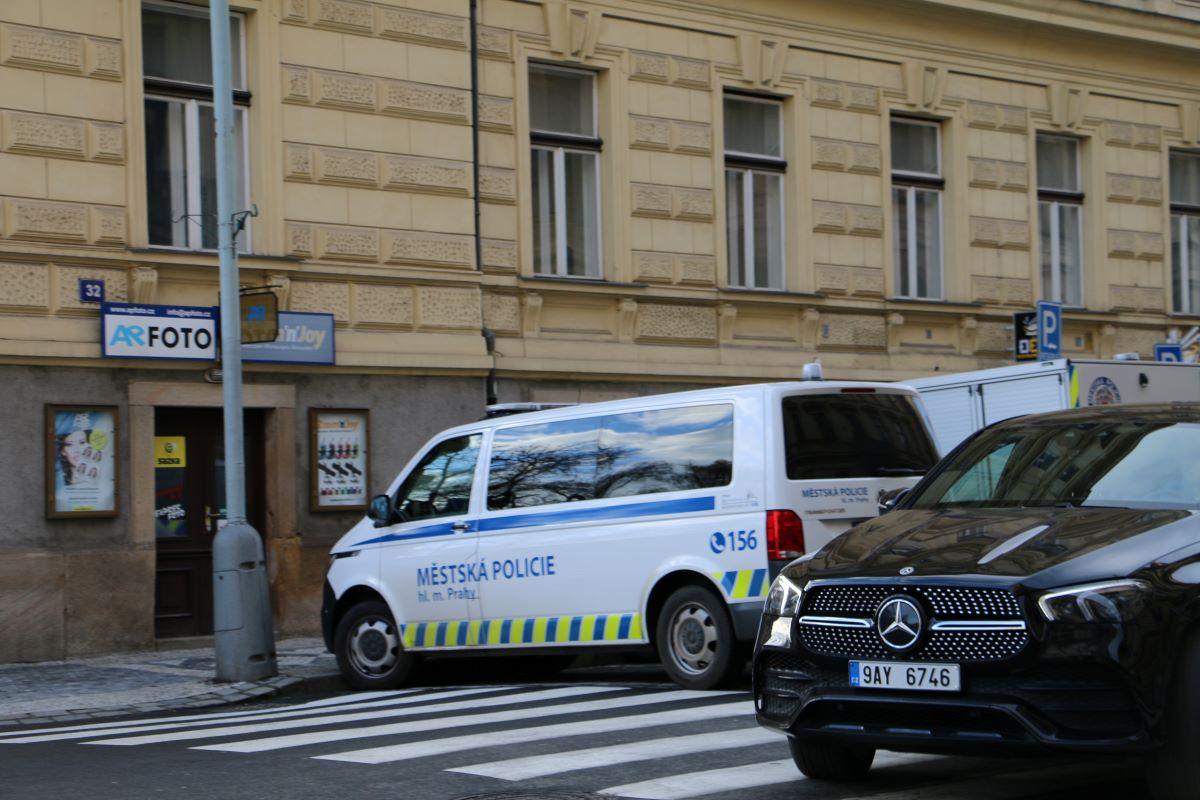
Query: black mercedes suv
[[1038, 590]]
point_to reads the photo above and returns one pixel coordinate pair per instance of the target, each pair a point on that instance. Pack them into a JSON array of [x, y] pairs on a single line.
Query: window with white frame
[[1185, 231], [754, 169], [181, 175], [566, 171], [917, 186], [1060, 218]]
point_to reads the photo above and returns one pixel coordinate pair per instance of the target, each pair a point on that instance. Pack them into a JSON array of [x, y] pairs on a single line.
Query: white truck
[[961, 403]]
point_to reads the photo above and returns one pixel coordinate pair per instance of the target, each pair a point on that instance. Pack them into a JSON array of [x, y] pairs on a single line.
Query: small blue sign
[[1049, 316], [1169, 352], [304, 338], [91, 290]]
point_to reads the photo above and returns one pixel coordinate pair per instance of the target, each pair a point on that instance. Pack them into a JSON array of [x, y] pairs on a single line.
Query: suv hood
[[1057, 545]]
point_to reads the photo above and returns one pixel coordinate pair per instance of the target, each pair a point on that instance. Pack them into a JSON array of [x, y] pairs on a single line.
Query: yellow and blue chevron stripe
[[740, 584], [523, 630]]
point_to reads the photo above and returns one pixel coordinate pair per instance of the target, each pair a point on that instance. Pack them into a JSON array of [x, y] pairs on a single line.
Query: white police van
[[652, 521]]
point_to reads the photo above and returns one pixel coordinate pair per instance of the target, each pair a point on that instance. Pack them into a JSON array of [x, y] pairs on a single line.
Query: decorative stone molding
[[62, 137], [1068, 104], [661, 68], [423, 247], [726, 322], [1134, 189], [495, 113], [654, 267], [372, 245], [345, 15], [24, 286], [328, 297], [382, 306], [106, 142], [696, 204], [347, 244], [654, 200], [674, 268], [658, 133], [1136, 340], [1007, 234], [851, 281], [998, 291], [383, 21], [495, 43], [851, 332], [993, 338], [1189, 114], [848, 96], [894, 331], [143, 284], [502, 313], [531, 314], [39, 220], [422, 27], [842, 156], [679, 323], [295, 11], [106, 225], [346, 167], [991, 173], [697, 270], [299, 239], [449, 307], [499, 255], [281, 285], [762, 59], [996, 117], [59, 51], [1108, 341], [810, 328], [497, 185], [1140, 245], [1128, 134], [924, 84], [968, 330], [627, 314], [573, 29], [847, 218], [415, 174], [375, 95], [338, 166], [1137, 298]]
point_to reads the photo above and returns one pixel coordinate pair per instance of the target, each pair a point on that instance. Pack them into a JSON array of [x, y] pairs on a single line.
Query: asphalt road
[[594, 734]]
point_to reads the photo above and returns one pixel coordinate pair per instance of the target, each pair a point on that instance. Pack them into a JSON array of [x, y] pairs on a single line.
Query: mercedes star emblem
[[899, 623]]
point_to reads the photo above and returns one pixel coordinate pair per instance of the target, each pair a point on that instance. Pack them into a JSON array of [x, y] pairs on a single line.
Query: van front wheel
[[695, 639], [368, 649]]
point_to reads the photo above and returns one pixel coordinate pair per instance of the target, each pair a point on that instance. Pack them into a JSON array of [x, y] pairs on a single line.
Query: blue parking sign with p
[[1169, 352], [1049, 316]]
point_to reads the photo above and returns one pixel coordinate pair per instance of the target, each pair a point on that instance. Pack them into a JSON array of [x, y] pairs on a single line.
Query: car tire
[[369, 652], [1173, 771], [828, 761], [695, 640]]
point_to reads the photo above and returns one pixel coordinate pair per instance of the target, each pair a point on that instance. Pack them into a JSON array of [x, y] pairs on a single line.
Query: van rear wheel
[[695, 639], [368, 648]]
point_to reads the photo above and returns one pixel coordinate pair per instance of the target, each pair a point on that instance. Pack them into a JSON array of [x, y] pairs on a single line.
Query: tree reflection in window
[[619, 455], [440, 485]]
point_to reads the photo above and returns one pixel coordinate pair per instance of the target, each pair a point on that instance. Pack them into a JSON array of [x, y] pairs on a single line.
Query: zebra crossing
[[660, 743]]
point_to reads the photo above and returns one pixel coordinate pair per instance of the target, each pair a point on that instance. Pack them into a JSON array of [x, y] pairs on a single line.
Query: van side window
[[619, 455], [440, 485], [669, 450], [534, 465]]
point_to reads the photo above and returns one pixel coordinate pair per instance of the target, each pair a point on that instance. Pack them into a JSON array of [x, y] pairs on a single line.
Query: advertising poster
[[170, 467], [81, 468], [339, 459]]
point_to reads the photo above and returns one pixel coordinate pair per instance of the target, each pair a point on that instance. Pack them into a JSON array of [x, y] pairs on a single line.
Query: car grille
[[860, 602]]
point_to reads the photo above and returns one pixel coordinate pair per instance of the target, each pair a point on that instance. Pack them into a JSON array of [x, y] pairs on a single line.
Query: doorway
[[189, 508]]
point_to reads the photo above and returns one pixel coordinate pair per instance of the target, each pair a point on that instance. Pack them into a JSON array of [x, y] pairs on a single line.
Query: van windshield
[[1112, 463], [855, 436]]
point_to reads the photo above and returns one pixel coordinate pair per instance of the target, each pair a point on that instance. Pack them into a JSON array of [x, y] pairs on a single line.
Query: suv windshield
[[859, 434], [1124, 463]]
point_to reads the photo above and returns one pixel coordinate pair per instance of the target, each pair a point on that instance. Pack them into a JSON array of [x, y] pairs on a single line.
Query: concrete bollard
[[244, 635]]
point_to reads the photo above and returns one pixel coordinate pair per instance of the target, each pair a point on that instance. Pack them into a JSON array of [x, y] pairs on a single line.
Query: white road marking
[[363, 716], [260, 715], [518, 769], [432, 747], [443, 723]]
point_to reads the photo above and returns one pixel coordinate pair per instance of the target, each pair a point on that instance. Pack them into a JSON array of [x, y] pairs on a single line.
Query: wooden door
[[189, 506]]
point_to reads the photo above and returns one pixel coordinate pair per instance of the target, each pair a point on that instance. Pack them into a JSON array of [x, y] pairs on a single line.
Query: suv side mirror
[[381, 510], [889, 499]]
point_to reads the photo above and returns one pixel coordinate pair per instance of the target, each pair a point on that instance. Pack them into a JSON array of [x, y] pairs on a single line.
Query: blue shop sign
[[304, 338]]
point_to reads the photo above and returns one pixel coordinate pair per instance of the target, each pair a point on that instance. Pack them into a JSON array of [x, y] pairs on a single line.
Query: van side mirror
[[380, 510], [889, 499]]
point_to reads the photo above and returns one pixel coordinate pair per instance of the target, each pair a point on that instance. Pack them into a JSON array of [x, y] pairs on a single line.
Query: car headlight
[[784, 598], [1110, 601]]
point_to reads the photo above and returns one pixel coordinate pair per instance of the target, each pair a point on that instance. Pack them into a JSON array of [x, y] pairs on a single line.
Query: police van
[[657, 521]]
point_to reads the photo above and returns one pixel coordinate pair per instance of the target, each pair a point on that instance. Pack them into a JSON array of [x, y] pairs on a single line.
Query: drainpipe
[[489, 336]]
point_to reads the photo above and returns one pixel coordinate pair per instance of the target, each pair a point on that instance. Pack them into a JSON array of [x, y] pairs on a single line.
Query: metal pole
[[244, 637]]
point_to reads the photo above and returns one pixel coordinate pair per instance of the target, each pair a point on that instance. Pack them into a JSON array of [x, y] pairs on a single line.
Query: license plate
[[913, 677]]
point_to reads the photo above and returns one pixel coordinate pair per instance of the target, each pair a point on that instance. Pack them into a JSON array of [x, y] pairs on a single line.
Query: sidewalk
[[155, 681]]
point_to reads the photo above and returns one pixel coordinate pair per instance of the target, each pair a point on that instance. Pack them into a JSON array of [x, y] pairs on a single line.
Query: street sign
[[91, 290], [1025, 344], [304, 338], [1049, 317], [153, 331], [260, 317], [1169, 352]]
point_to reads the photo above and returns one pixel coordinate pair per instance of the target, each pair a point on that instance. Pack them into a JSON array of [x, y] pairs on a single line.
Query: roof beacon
[[812, 371]]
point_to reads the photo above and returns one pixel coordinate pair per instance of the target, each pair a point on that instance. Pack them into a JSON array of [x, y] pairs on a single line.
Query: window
[[917, 185], [1060, 218], [1185, 231], [440, 485], [566, 171], [181, 186], [854, 436], [619, 455], [754, 168]]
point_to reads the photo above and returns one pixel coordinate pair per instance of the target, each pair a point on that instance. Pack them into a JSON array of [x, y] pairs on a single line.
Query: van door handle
[[460, 527]]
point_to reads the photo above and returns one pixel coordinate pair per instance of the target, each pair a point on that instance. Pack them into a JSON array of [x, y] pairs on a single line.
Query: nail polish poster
[[339, 459], [81, 463]]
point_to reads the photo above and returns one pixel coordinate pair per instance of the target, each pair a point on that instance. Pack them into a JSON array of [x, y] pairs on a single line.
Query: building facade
[[627, 196]]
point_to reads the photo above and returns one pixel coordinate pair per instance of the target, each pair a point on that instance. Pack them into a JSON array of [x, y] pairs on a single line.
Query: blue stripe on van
[[598, 627], [505, 631], [440, 641], [728, 581], [462, 633], [552, 629], [756, 582], [624, 510], [483, 631], [420, 637], [623, 629], [576, 622]]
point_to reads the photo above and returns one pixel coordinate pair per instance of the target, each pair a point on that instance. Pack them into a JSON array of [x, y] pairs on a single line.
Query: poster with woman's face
[[84, 460]]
